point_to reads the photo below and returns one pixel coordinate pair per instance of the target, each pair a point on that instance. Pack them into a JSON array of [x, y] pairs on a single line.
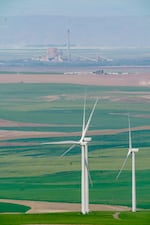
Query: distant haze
[[104, 31], [115, 31], [106, 23], [75, 8]]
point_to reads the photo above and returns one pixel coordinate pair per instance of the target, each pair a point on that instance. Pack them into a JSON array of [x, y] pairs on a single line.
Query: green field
[[13, 208], [39, 173], [105, 218]]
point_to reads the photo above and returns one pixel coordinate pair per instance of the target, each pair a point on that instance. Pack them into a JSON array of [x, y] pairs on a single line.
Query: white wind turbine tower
[[131, 151], [83, 142]]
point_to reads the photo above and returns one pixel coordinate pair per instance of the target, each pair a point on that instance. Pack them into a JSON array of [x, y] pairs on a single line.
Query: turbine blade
[[60, 143], [123, 165], [130, 139], [83, 122], [89, 175], [89, 120], [68, 150]]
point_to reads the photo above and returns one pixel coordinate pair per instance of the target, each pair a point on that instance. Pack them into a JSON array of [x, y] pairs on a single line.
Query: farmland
[[105, 218], [33, 113]]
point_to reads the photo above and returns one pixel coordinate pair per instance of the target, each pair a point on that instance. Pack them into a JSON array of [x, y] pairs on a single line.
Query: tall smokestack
[[68, 45]]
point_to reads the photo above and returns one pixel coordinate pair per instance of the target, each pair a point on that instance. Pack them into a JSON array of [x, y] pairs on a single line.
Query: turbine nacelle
[[134, 150], [87, 139], [131, 150]]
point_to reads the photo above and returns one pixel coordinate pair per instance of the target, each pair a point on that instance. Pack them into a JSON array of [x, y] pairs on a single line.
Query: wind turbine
[[83, 142], [131, 151]]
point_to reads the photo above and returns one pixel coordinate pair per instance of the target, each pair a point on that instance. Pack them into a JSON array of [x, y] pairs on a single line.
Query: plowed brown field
[[85, 79]]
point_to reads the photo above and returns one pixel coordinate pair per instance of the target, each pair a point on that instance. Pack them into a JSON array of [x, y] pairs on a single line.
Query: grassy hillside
[[38, 172]]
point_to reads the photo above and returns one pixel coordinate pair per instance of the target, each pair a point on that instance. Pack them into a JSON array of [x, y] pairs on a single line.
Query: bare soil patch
[[47, 207], [13, 134], [9, 123], [141, 79], [116, 215]]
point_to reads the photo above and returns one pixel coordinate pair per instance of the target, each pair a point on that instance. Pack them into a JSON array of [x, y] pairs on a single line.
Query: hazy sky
[[93, 22], [75, 7]]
